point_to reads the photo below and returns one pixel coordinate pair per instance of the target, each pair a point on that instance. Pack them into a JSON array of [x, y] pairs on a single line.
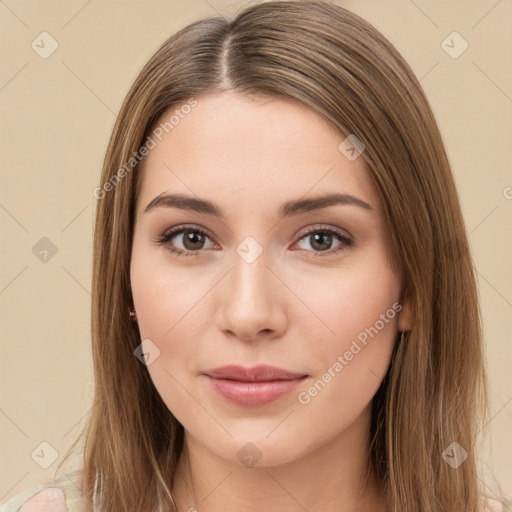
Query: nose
[[251, 301]]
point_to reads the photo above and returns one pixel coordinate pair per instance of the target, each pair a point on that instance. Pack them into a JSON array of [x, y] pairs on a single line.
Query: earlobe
[[406, 317]]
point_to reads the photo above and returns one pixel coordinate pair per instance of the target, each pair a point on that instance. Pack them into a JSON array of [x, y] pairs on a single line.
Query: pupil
[[321, 236], [194, 238]]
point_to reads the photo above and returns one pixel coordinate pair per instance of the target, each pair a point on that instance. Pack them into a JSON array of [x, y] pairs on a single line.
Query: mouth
[[253, 387]]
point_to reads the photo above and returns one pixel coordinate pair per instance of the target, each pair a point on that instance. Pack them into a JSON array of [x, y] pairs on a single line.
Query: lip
[[253, 387]]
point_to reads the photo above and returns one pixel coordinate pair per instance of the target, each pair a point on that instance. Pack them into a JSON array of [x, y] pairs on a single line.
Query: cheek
[[165, 296], [165, 302], [350, 303], [359, 312], [169, 307]]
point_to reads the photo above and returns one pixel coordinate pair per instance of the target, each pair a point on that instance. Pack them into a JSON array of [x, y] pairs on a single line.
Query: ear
[[406, 317]]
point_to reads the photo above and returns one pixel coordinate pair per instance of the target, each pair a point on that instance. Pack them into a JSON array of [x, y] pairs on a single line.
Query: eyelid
[[184, 227], [325, 227]]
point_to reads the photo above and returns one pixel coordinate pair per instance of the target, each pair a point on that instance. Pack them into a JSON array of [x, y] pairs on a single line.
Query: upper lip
[[259, 373]]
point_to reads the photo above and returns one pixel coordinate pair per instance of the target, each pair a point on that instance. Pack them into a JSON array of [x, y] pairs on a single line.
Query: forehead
[[251, 148]]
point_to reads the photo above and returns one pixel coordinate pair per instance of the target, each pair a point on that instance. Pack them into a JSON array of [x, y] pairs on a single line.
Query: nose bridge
[[249, 280], [249, 298]]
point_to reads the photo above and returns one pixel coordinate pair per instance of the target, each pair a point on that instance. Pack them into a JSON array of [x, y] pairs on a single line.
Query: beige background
[[57, 115]]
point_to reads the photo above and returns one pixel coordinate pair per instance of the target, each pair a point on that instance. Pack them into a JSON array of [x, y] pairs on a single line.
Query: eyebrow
[[288, 209]]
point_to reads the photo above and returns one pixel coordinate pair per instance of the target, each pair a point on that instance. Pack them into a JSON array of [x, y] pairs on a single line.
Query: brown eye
[[192, 239], [322, 240]]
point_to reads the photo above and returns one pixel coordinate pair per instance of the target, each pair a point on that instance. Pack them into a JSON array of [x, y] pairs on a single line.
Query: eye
[[321, 240], [193, 240]]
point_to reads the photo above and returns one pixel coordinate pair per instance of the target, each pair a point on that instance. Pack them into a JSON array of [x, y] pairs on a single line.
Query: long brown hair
[[435, 391]]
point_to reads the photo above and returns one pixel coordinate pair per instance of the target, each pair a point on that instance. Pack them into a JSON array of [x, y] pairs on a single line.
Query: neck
[[337, 476]]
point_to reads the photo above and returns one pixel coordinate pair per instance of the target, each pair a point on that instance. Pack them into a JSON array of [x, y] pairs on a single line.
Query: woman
[[284, 305]]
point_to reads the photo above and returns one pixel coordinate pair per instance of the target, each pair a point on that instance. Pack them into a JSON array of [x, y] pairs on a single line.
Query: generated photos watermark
[[305, 397], [151, 143]]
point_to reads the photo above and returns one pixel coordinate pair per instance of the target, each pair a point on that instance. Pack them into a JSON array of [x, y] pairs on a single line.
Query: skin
[[295, 307]]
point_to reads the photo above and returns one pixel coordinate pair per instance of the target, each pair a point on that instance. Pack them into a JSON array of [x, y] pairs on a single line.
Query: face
[[262, 275]]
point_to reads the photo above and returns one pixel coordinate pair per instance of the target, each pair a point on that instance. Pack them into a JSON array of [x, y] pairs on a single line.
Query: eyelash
[[168, 235]]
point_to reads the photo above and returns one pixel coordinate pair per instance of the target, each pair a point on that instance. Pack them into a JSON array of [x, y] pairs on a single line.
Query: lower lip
[[254, 394]]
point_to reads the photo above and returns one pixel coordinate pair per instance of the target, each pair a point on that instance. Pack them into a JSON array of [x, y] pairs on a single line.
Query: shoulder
[[38, 498], [61, 495], [492, 505], [50, 499]]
